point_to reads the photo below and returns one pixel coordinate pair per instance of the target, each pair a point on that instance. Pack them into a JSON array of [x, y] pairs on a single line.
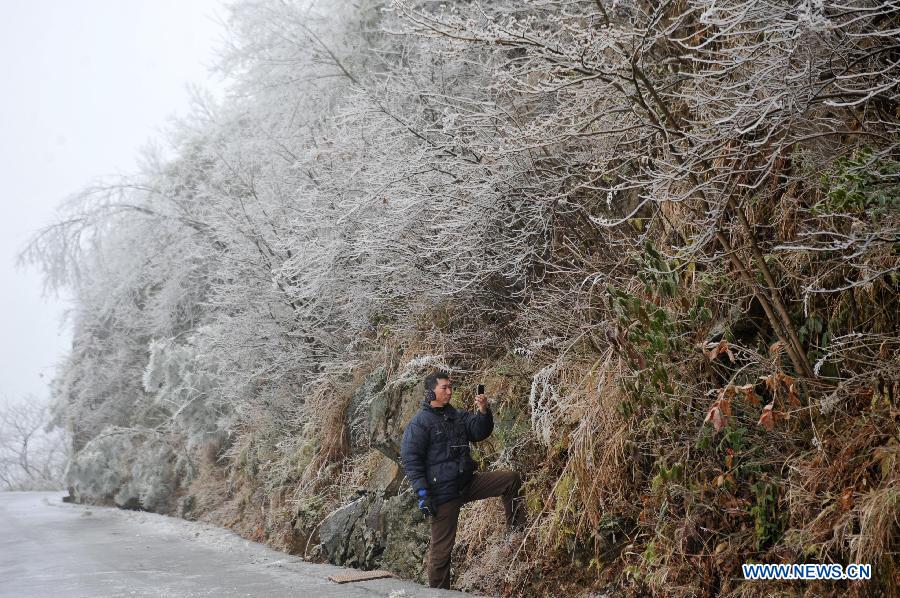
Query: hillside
[[664, 235]]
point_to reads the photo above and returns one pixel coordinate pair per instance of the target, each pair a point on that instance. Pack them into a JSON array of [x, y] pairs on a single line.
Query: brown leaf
[[846, 500], [715, 416], [792, 396], [749, 393], [725, 406], [771, 382], [767, 419], [788, 381], [723, 479], [777, 348], [718, 413], [717, 350]]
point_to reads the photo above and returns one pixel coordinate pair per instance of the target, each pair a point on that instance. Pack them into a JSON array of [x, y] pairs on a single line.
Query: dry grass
[[879, 525]]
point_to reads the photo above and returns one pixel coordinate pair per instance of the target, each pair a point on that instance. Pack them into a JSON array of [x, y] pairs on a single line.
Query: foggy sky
[[86, 84]]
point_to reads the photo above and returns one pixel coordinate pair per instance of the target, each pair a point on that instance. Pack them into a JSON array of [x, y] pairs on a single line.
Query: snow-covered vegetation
[[664, 234]]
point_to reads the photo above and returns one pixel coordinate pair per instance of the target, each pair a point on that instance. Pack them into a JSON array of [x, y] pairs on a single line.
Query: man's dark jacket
[[435, 449]]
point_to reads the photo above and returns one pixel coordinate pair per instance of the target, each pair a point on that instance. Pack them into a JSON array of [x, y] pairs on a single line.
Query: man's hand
[[425, 504], [481, 403]]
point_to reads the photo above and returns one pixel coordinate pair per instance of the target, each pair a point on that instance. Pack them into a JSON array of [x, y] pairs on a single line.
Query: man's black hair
[[431, 379]]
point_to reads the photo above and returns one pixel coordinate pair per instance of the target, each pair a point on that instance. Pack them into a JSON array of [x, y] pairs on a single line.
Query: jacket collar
[[448, 408]]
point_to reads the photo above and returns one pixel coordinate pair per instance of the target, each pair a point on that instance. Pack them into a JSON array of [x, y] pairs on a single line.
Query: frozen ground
[[50, 548]]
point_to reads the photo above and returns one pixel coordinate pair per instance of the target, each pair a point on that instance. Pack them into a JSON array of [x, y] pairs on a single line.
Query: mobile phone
[[480, 389]]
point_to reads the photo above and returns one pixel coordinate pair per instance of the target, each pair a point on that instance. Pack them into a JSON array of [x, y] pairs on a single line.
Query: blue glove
[[425, 504]]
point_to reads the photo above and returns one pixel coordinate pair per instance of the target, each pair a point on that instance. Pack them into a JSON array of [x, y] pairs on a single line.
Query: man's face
[[443, 390]]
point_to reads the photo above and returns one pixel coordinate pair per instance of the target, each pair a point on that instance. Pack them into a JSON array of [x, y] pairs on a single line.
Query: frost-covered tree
[[32, 456]]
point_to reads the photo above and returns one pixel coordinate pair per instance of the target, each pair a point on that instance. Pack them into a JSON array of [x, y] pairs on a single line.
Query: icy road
[[49, 548]]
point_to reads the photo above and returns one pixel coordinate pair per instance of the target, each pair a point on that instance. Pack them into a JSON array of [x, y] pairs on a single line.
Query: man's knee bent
[[515, 480]]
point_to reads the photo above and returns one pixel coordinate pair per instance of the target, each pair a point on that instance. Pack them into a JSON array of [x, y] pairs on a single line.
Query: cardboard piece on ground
[[359, 576]]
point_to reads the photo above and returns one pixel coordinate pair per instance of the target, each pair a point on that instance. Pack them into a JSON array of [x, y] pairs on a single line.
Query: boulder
[[358, 412], [343, 536], [389, 412], [405, 534], [373, 532]]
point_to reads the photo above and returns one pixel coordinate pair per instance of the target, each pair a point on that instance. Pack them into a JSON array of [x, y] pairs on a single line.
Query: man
[[435, 453]]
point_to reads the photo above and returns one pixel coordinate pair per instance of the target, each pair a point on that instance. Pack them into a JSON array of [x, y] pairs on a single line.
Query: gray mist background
[[85, 84]]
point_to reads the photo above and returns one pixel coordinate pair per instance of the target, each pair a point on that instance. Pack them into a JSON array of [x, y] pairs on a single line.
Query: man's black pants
[[505, 484]]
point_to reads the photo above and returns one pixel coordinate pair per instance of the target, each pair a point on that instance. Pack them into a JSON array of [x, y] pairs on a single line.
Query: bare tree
[[33, 455]]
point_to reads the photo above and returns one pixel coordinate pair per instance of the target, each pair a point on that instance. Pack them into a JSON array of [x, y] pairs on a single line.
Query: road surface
[[50, 548]]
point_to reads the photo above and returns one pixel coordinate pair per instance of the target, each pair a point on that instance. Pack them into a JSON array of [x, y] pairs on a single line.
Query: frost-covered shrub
[[133, 470], [183, 382], [153, 478]]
